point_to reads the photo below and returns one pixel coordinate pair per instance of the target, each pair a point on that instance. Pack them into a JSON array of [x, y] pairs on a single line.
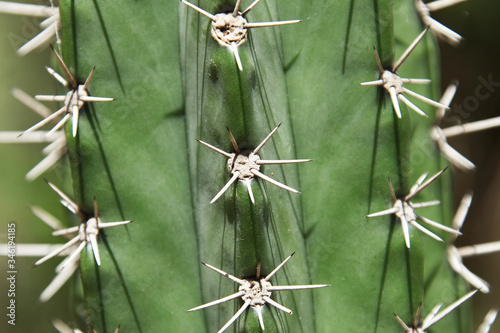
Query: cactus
[[199, 148]]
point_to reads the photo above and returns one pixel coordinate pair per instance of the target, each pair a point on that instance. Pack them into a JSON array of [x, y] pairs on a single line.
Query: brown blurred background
[[478, 21]]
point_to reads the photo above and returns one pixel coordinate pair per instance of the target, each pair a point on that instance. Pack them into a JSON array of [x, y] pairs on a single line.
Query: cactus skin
[[173, 84], [157, 253], [358, 142]]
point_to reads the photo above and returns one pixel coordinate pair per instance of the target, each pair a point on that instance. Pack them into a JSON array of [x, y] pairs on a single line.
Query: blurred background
[[17, 195], [475, 60]]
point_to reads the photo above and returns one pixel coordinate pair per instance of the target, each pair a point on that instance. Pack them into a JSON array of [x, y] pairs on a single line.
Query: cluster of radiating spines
[[255, 293], [86, 235], [230, 29], [425, 9], [434, 316], [245, 165], [441, 135], [73, 101], [394, 84], [50, 25], [404, 209]]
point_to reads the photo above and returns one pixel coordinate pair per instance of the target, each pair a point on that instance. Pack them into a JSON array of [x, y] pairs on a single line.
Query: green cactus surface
[[173, 84]]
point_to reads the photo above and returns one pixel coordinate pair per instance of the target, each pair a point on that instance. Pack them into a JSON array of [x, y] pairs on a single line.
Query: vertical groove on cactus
[[251, 103]]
